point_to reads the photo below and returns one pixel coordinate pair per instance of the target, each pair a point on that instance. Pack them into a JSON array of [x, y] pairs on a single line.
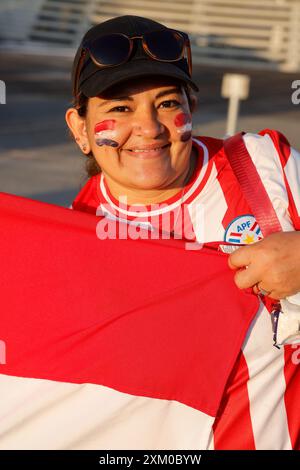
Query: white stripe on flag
[[45, 414]]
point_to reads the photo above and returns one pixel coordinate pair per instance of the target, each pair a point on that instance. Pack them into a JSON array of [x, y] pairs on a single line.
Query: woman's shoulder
[[268, 145], [264, 144]]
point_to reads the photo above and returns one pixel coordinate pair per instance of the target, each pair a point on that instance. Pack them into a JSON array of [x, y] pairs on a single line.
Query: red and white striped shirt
[[260, 409]]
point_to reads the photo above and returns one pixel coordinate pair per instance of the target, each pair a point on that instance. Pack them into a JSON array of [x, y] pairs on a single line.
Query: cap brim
[[103, 79]]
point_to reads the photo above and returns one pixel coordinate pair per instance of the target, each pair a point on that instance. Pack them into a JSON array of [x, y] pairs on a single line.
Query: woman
[[133, 103], [146, 180]]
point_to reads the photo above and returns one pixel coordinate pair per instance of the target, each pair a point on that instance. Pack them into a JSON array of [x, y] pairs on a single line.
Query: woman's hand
[[272, 264]]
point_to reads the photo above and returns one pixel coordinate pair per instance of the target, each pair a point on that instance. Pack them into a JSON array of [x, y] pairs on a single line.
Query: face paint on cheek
[[183, 122], [105, 133], [109, 142]]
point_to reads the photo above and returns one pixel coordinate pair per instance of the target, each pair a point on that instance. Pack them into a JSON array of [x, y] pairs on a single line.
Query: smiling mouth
[[150, 152]]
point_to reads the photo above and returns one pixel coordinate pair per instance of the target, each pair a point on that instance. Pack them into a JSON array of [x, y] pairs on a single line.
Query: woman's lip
[[152, 153]]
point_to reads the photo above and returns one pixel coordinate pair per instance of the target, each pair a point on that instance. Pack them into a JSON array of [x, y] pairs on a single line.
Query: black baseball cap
[[94, 80]]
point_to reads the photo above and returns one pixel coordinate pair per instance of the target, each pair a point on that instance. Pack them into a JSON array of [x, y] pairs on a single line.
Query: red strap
[[251, 184]]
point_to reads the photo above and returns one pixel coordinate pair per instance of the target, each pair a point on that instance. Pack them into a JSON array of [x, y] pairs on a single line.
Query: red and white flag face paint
[[105, 133], [183, 122]]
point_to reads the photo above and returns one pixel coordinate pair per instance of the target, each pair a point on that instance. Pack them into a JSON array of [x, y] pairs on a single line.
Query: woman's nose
[[148, 125]]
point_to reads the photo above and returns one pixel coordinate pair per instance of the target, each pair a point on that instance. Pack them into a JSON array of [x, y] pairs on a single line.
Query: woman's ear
[[77, 126]]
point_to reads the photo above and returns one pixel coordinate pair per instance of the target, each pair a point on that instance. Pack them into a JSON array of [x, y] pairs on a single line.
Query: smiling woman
[[132, 117], [140, 137], [106, 129]]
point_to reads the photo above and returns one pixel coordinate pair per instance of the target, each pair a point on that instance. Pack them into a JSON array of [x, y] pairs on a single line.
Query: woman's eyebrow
[[113, 100], [169, 91]]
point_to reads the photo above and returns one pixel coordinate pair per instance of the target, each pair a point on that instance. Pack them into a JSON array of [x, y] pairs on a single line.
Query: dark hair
[[91, 165]]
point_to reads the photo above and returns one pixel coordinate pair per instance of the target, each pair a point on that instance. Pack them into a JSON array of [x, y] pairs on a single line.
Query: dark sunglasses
[[114, 49]]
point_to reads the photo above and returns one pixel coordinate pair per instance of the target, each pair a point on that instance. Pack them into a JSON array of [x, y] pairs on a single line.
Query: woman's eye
[[119, 109], [170, 104]]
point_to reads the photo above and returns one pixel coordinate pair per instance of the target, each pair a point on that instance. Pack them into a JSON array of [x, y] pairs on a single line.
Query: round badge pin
[[243, 230]]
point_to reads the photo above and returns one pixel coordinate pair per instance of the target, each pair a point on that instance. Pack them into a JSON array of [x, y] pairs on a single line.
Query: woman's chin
[[150, 182]]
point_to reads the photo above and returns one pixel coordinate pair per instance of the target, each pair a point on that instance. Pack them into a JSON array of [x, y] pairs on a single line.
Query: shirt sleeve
[[288, 162]]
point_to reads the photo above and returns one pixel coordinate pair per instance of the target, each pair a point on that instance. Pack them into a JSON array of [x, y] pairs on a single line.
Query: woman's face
[[140, 135]]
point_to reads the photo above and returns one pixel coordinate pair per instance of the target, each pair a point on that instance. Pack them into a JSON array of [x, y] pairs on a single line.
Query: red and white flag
[[124, 344]]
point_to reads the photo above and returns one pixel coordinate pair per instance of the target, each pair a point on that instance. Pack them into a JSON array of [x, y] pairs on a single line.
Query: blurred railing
[[236, 33], [17, 17]]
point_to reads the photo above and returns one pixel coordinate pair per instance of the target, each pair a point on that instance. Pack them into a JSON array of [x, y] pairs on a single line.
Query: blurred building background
[[38, 39]]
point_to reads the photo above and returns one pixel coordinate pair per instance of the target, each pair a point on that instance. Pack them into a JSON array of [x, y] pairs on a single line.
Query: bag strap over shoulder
[[251, 184]]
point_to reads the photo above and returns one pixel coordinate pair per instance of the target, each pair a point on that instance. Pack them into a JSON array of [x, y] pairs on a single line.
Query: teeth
[[144, 150]]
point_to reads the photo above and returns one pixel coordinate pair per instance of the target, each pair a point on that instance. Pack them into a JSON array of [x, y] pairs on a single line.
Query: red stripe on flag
[[233, 427], [78, 309]]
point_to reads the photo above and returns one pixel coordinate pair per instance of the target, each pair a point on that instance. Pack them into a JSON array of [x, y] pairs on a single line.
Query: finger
[[263, 292], [271, 294], [240, 257], [245, 278], [275, 295], [255, 289]]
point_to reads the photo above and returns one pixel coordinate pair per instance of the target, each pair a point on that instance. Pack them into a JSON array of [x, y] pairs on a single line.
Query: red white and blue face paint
[[105, 133], [183, 122]]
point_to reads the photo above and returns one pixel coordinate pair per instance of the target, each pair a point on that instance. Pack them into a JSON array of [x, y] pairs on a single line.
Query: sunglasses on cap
[[115, 49]]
